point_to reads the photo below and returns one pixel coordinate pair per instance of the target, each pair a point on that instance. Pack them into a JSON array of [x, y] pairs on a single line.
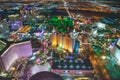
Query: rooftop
[[72, 64]]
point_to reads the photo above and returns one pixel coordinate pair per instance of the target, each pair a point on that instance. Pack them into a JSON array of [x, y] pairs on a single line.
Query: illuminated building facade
[[54, 39], [13, 18], [115, 50], [60, 40], [13, 53], [63, 41]]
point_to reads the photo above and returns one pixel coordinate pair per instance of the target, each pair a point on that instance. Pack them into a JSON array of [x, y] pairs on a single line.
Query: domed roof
[[45, 75]]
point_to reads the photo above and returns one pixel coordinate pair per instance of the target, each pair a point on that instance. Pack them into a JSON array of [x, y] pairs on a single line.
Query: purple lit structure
[[16, 25], [15, 52], [28, 8]]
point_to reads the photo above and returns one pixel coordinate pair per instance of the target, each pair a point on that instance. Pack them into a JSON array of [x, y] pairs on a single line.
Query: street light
[[104, 57]]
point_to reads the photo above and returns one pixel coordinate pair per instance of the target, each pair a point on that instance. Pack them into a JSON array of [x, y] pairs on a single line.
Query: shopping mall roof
[[72, 64]]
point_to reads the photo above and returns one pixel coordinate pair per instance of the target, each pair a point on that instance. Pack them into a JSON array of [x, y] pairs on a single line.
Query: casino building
[[65, 42], [72, 66], [12, 51]]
